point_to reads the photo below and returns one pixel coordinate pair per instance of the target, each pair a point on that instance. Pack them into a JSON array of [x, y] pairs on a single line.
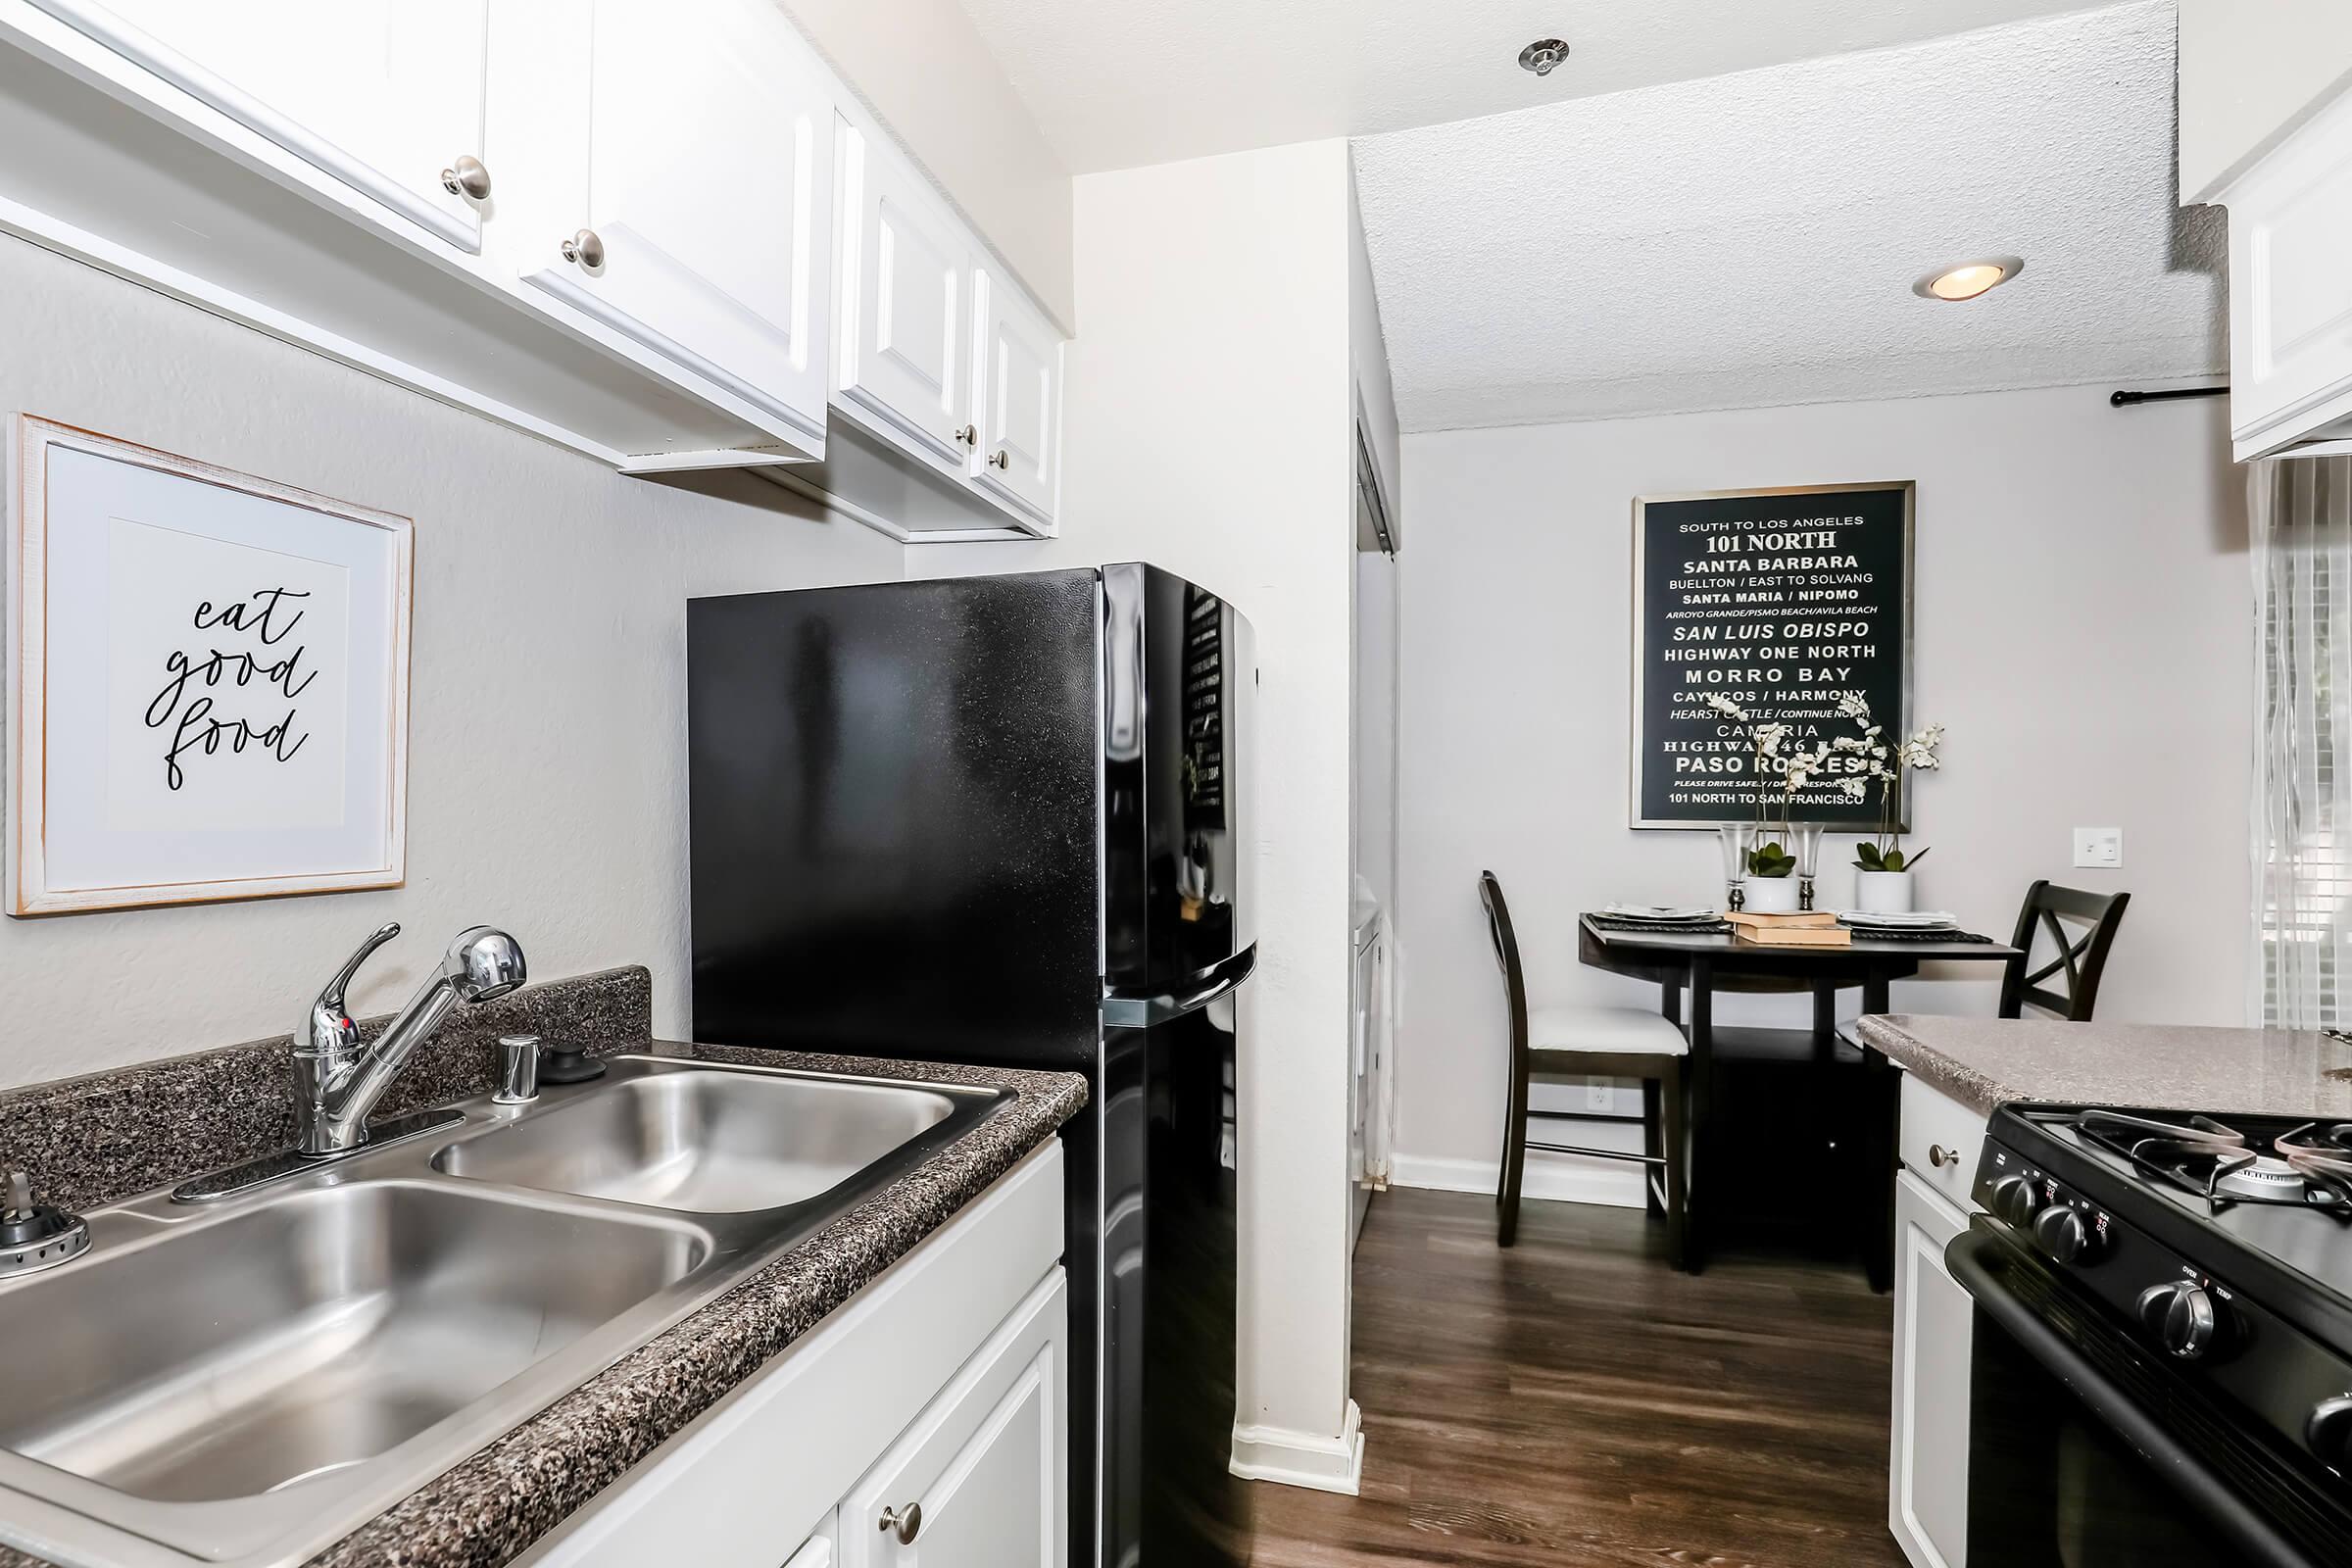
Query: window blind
[[2301, 521]]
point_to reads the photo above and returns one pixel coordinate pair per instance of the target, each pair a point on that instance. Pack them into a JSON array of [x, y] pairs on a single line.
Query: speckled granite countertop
[[491, 1506], [1982, 1062]]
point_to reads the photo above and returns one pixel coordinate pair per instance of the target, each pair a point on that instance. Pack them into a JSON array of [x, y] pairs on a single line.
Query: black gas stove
[[2164, 1328]]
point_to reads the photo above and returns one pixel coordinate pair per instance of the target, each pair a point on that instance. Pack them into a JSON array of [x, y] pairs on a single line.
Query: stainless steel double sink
[[245, 1382]]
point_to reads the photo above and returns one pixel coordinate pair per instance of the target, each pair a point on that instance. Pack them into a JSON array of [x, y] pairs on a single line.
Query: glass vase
[[1736, 839], [1804, 842]]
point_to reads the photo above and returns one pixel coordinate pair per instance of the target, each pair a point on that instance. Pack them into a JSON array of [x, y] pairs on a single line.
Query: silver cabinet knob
[[466, 178], [585, 249], [969, 435], [907, 1525], [1941, 1156], [1001, 459]]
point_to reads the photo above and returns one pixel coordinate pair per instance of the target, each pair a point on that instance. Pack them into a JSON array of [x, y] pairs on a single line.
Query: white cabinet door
[[1019, 397], [708, 208], [904, 334], [980, 1480], [1934, 1324], [383, 94], [2290, 288], [820, 1552]]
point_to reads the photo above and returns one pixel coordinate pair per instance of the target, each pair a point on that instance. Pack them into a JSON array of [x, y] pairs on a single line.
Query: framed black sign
[[1781, 602]]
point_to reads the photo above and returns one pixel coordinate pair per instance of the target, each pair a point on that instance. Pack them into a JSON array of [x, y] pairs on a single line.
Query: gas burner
[[2263, 1179], [2308, 1167]]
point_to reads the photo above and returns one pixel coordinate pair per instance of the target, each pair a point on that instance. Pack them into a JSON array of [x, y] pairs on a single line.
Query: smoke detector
[[1543, 56]]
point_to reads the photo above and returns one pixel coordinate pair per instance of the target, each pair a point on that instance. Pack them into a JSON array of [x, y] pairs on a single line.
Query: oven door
[[2087, 1450]]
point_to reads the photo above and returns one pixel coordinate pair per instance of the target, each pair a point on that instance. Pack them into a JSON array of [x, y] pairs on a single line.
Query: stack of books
[[1818, 928]]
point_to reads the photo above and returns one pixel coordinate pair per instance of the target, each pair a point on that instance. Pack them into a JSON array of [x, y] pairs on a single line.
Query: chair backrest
[[1506, 955], [2080, 957]]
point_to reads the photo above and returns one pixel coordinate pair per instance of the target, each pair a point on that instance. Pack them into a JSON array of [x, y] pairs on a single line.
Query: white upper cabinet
[[692, 149], [904, 333], [662, 233], [2290, 290], [1019, 397], [385, 95], [952, 377]]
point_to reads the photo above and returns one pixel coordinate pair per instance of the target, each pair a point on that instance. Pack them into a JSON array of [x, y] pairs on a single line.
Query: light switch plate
[[2101, 847]]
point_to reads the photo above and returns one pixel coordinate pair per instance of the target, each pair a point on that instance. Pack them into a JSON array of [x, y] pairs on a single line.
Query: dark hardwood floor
[[1574, 1403]]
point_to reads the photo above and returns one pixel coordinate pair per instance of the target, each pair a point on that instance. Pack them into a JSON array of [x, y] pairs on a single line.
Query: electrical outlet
[[1599, 1093], [2099, 847]]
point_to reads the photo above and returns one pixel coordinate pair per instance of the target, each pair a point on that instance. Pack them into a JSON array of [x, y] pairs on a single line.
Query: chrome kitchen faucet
[[338, 1081]]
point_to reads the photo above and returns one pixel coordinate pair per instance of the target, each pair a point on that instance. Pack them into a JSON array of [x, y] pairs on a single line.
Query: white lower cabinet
[[1935, 1320], [922, 1422], [977, 1481]]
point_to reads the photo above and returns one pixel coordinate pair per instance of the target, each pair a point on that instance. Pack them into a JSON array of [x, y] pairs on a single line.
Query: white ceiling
[[1752, 239], [1120, 84]]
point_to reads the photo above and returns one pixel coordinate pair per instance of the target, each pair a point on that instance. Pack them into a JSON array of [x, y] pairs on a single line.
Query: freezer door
[[1179, 687], [893, 790]]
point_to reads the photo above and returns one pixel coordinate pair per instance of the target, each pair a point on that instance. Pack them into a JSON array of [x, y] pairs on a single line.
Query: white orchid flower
[[1855, 786], [1853, 705], [1727, 707]]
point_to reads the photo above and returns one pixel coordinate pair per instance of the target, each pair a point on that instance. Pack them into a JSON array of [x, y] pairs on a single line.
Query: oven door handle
[[1978, 1258]]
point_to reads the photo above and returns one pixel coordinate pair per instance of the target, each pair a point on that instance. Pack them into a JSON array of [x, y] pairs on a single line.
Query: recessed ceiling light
[[1969, 279], [1543, 56]]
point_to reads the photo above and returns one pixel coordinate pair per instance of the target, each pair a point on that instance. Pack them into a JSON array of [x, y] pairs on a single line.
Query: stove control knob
[[2015, 1198], [2064, 1233], [2330, 1432], [2183, 1318]]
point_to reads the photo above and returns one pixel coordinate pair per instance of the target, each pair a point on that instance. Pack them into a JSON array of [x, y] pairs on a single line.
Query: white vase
[[1883, 891], [1770, 895]]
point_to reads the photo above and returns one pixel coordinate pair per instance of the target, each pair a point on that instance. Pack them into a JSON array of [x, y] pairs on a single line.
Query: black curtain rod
[[2125, 400]]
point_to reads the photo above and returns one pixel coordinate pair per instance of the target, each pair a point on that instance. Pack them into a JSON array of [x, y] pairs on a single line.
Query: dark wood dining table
[[1706, 963]]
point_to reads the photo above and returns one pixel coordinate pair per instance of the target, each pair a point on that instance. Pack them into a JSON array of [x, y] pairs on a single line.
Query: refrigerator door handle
[[1139, 1009]]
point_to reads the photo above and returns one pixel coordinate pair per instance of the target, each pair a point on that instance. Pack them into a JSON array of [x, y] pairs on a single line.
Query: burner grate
[[2309, 1167]]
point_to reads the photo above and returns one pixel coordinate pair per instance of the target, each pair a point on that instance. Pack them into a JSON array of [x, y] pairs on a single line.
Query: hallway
[[1574, 1403]]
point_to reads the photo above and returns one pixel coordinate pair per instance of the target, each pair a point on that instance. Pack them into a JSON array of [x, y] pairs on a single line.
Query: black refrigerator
[[1003, 820]]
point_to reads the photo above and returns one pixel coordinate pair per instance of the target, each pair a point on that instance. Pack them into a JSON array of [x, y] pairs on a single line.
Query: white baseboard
[[1303, 1458], [1552, 1177]]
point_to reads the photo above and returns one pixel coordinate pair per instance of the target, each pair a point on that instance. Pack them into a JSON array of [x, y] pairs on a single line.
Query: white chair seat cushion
[[1631, 1031]]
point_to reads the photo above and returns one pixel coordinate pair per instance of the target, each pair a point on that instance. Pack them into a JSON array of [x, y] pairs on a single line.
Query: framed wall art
[[209, 684], [1780, 602]]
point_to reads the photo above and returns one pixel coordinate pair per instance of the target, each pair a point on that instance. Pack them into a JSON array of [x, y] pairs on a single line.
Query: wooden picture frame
[[208, 681]]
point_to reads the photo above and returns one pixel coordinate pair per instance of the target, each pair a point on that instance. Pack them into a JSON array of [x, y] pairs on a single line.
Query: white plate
[[1660, 915], [1922, 921]]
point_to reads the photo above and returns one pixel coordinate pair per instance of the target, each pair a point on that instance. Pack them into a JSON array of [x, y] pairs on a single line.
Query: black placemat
[[1718, 928], [1876, 933]]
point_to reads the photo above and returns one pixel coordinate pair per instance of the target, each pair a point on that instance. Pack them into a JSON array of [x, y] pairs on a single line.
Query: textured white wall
[[2250, 71], [2083, 628], [1208, 432], [546, 762]]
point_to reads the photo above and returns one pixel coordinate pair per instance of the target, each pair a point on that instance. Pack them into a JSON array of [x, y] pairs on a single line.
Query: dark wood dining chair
[[1589, 1042], [2081, 927]]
